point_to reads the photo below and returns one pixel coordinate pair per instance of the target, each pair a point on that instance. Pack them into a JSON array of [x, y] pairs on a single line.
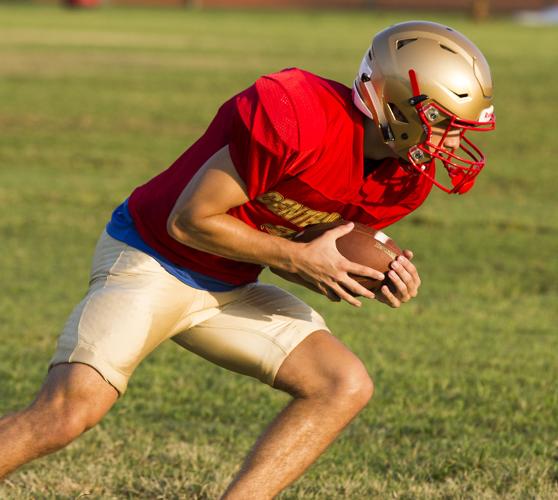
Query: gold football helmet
[[418, 75]]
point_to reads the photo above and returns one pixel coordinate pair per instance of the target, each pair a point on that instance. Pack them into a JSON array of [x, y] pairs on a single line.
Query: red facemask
[[464, 163]]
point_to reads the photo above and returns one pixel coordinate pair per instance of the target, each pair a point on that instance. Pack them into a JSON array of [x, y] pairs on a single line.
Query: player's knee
[[71, 423], [355, 385], [73, 399], [349, 385], [64, 419], [68, 427]]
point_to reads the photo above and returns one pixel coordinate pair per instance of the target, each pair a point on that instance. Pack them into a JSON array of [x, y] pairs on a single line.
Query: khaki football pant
[[133, 305]]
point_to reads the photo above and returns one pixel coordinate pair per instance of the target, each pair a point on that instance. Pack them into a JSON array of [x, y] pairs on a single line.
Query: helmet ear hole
[[397, 113]]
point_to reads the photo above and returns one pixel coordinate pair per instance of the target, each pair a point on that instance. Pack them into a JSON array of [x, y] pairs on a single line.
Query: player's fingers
[[327, 292], [388, 298], [407, 264], [412, 270], [344, 295], [341, 230], [360, 270], [402, 272], [331, 296], [406, 278], [353, 286], [408, 253], [401, 287]]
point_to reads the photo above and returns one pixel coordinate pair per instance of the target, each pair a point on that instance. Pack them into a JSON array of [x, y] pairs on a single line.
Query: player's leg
[[131, 307], [73, 399], [271, 335], [329, 386]]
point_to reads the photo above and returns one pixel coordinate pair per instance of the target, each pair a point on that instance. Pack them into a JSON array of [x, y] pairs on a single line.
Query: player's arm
[[199, 219]]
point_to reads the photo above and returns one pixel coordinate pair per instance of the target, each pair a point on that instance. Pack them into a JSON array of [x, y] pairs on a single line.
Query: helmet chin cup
[[462, 168]]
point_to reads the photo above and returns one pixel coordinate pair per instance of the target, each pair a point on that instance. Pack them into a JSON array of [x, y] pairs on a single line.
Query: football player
[[180, 257]]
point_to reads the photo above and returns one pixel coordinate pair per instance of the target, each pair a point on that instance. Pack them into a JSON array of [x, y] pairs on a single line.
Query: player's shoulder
[[302, 84], [296, 102]]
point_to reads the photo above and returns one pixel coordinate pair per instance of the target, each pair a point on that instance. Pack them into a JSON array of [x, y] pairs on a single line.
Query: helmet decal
[[487, 115]]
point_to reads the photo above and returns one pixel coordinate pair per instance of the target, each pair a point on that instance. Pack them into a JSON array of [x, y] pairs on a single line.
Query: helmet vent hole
[[401, 43], [461, 96], [397, 114], [445, 47]]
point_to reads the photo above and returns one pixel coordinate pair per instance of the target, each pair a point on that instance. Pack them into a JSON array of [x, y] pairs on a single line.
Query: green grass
[[466, 403]]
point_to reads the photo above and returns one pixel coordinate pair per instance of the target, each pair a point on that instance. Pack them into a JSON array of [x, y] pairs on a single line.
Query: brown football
[[363, 245]]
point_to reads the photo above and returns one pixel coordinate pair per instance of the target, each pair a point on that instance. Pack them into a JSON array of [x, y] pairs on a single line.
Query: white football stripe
[[381, 237]]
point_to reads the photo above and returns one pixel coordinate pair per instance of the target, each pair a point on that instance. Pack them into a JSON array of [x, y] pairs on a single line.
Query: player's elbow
[[171, 226], [181, 224]]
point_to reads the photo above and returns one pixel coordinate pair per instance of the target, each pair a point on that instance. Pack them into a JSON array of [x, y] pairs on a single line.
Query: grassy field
[[466, 403]]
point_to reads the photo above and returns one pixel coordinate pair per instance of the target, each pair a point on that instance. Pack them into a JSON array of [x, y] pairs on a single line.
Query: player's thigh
[[131, 307], [254, 334]]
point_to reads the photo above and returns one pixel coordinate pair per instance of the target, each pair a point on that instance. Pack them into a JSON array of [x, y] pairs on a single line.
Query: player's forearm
[[229, 237]]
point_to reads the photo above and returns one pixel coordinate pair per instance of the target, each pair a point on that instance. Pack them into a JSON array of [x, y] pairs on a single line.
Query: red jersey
[[297, 142]]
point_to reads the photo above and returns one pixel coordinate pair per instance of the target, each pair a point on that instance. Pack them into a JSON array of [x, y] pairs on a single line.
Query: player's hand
[[320, 263], [405, 281]]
